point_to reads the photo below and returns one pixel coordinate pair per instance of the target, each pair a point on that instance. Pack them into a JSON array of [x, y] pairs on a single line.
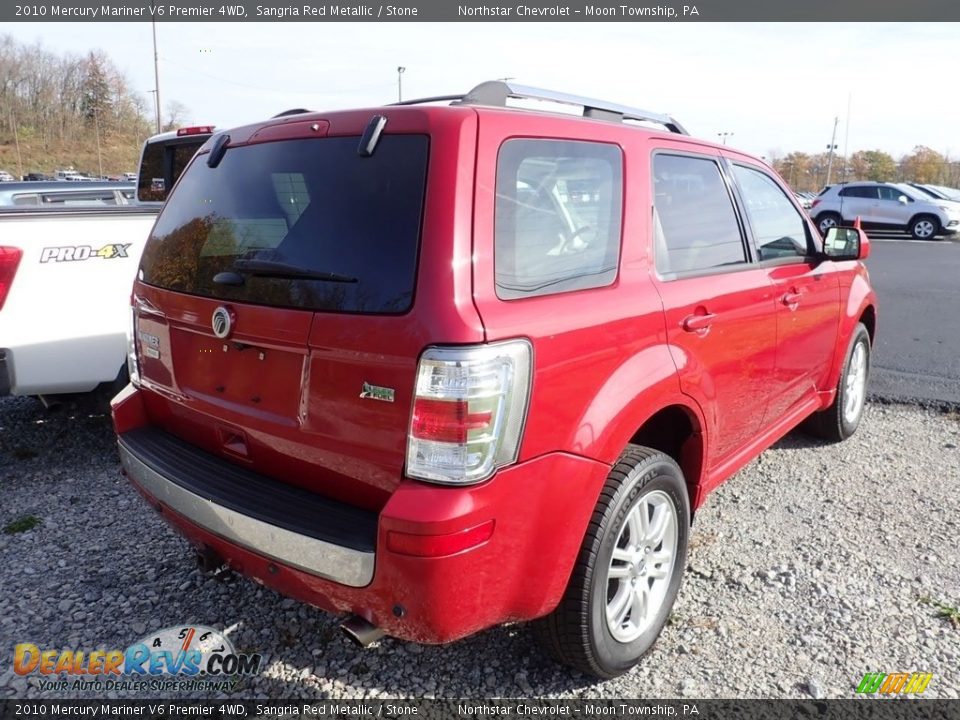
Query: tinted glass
[[557, 216], [778, 227], [909, 191], [892, 193], [315, 205], [696, 227], [162, 162], [860, 192]]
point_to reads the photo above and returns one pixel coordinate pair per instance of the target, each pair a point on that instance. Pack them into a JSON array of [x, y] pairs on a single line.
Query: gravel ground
[[812, 566]]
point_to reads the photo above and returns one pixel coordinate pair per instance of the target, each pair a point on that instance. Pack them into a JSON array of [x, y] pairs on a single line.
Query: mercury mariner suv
[[437, 367]]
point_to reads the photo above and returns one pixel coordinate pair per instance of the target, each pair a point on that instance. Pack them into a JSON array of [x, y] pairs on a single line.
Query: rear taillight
[[468, 411], [133, 364], [9, 261], [816, 201]]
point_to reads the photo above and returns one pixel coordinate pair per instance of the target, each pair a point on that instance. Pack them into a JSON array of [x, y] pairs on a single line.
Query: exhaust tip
[[360, 631]]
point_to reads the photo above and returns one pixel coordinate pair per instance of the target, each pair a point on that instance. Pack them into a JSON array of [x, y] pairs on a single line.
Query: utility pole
[[156, 72], [723, 136], [96, 125], [400, 71], [16, 140], [831, 147]]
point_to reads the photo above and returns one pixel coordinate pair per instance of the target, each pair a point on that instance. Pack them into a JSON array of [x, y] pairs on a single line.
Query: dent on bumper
[[317, 557]]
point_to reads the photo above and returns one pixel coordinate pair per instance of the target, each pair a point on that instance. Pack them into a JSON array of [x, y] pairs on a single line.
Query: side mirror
[[903, 199], [843, 243]]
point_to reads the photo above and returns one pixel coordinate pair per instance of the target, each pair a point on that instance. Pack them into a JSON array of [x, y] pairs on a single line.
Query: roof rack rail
[[496, 93]]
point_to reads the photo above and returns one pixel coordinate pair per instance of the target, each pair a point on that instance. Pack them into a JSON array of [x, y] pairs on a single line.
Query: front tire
[[842, 418], [924, 227], [628, 571]]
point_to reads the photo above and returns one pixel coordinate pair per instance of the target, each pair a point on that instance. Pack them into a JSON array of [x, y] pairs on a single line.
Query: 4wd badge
[[375, 392]]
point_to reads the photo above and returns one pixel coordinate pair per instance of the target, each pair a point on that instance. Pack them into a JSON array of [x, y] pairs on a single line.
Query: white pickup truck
[[66, 276]]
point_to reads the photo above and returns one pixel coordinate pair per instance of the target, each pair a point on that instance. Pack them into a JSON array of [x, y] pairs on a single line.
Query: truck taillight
[[133, 364], [468, 411], [9, 261], [816, 201], [196, 130]]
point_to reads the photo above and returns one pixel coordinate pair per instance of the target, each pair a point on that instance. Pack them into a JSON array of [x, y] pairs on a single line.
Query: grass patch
[[942, 610], [23, 524]]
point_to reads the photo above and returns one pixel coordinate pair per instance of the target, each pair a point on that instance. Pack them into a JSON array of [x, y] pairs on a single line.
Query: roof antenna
[[371, 136]]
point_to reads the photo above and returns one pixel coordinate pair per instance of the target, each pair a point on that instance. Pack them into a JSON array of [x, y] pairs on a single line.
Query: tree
[[176, 115], [923, 165], [97, 98], [872, 165]]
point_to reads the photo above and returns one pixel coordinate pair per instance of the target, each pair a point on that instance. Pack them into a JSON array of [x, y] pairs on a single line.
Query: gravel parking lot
[[812, 566]]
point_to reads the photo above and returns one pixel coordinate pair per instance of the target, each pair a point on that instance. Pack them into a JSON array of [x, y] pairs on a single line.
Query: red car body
[[610, 365]]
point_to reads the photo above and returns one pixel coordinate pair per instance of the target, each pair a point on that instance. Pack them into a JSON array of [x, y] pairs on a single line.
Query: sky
[[776, 87]]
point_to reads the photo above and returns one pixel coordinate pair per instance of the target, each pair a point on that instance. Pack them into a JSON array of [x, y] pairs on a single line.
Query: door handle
[[695, 323], [790, 299]]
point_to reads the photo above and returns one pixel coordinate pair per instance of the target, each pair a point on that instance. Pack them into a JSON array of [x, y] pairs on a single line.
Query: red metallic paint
[[606, 360], [449, 597]]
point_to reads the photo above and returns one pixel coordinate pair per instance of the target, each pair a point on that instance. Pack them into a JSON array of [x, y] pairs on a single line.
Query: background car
[[6, 177], [54, 193], [947, 193], [885, 205]]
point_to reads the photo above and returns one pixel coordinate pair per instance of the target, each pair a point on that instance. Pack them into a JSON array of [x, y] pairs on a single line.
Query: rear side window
[[300, 223], [695, 225], [558, 213], [860, 192]]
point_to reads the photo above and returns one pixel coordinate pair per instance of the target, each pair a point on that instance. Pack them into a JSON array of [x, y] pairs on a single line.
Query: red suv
[[440, 367]]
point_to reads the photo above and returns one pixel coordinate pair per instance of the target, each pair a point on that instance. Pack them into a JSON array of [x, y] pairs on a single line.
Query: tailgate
[[66, 315], [310, 253]]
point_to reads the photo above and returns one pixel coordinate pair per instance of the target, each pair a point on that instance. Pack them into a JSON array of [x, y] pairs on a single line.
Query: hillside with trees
[[60, 110]]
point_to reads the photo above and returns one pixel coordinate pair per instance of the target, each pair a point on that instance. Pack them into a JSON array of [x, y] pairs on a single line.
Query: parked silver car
[[885, 205]]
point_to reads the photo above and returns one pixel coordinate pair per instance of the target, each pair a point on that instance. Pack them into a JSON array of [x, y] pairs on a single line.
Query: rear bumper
[[198, 493], [539, 509]]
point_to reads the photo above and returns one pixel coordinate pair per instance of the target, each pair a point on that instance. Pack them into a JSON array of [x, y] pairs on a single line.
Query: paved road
[[917, 356]]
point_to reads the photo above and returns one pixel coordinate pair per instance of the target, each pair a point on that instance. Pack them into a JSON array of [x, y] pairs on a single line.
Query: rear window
[[162, 162], [271, 215]]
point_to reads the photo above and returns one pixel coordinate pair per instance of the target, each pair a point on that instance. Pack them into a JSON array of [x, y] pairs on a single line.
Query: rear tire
[[628, 571], [842, 418], [827, 220], [924, 227]]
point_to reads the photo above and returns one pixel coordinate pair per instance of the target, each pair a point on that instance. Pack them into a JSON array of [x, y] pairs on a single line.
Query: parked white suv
[[885, 205]]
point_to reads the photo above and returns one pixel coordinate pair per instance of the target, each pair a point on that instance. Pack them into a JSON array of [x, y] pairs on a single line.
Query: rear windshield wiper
[[274, 269]]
